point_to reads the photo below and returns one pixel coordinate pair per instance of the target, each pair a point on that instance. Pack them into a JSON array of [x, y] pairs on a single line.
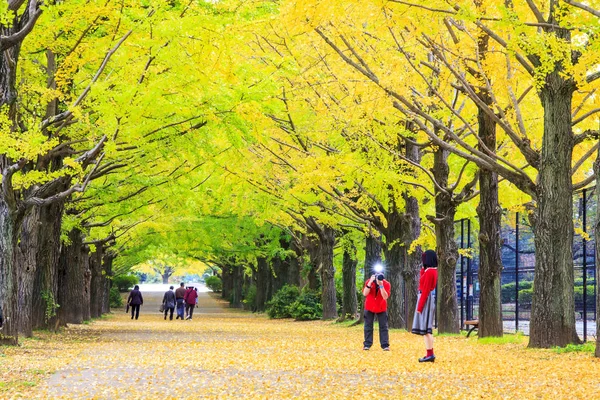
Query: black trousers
[[384, 335], [189, 310], [169, 309], [135, 310]]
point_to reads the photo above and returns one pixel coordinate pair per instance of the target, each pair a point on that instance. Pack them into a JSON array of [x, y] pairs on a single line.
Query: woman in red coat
[[425, 312]]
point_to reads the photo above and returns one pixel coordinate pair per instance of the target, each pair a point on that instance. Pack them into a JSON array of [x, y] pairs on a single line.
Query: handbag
[[161, 308], [127, 308]]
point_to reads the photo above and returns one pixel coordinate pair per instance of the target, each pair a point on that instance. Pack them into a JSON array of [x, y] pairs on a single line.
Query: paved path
[[137, 355], [226, 353]]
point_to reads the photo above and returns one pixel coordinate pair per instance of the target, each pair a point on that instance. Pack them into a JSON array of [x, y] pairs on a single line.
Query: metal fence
[[518, 259]]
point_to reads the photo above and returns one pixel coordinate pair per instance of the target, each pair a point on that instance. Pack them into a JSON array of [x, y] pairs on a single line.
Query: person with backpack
[[190, 301]]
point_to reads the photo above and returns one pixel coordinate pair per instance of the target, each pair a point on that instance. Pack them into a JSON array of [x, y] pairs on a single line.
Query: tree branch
[[6, 42]]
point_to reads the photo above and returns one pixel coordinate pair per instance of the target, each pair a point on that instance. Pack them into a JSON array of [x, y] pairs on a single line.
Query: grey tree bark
[[447, 251]]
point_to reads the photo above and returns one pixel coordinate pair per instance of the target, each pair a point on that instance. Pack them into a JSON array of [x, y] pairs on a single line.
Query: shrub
[[590, 298], [508, 291], [525, 296], [115, 298], [307, 307], [279, 305], [214, 283], [124, 282], [250, 298]]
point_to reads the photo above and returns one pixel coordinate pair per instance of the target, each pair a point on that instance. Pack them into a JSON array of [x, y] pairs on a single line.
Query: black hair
[[429, 259]]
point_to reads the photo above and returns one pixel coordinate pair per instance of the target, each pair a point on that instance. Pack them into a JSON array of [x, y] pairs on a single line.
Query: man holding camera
[[376, 292]]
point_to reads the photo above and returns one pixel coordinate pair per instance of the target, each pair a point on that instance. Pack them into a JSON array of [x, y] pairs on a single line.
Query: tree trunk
[[84, 259], [411, 228], [262, 283], [238, 286], [447, 251], [294, 265], [553, 304], [278, 276], [72, 282], [227, 280], [46, 280], [328, 295], [394, 250], [96, 285], [107, 263], [489, 213], [26, 264], [349, 263], [597, 247], [372, 257], [314, 254], [9, 295]]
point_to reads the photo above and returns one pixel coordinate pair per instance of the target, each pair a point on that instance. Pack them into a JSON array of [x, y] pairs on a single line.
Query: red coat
[[427, 284], [374, 302], [190, 296]]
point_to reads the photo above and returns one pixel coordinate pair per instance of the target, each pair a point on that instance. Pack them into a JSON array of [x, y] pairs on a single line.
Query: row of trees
[[96, 123], [271, 138]]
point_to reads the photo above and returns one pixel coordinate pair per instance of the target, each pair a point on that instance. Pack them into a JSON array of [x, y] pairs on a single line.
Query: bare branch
[[587, 155], [583, 7], [585, 182], [580, 106], [536, 11], [584, 116]]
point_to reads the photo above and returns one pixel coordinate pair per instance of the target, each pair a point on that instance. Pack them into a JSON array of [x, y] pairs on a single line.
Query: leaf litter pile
[[231, 354]]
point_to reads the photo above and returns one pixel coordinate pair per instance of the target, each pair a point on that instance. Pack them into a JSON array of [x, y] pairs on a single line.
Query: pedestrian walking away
[[135, 300], [190, 301], [376, 292], [169, 302], [179, 295], [425, 311]]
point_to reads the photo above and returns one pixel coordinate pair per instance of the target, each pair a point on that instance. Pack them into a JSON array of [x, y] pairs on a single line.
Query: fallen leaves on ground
[[223, 353]]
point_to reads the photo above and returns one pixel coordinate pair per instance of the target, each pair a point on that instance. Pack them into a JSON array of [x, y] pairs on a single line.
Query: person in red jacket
[[376, 292], [425, 312], [190, 301]]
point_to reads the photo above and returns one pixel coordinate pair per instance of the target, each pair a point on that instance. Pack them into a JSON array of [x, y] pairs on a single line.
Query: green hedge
[[125, 283], [214, 283], [280, 305], [307, 307], [250, 298], [115, 298]]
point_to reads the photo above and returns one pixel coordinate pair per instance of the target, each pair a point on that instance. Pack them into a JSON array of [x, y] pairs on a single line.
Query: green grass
[[587, 347], [508, 338], [461, 333]]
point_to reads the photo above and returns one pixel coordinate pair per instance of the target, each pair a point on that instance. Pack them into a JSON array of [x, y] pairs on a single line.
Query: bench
[[474, 325]]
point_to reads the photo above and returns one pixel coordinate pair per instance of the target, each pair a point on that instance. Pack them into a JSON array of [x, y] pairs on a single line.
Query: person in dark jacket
[[135, 300], [179, 295], [169, 302]]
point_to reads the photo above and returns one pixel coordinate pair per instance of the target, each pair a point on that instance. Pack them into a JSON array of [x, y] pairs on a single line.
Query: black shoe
[[427, 359]]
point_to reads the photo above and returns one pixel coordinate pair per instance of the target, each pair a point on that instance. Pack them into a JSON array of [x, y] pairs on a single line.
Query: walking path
[[225, 353]]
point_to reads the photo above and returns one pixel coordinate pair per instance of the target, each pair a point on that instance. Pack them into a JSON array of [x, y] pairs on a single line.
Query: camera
[[379, 277]]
